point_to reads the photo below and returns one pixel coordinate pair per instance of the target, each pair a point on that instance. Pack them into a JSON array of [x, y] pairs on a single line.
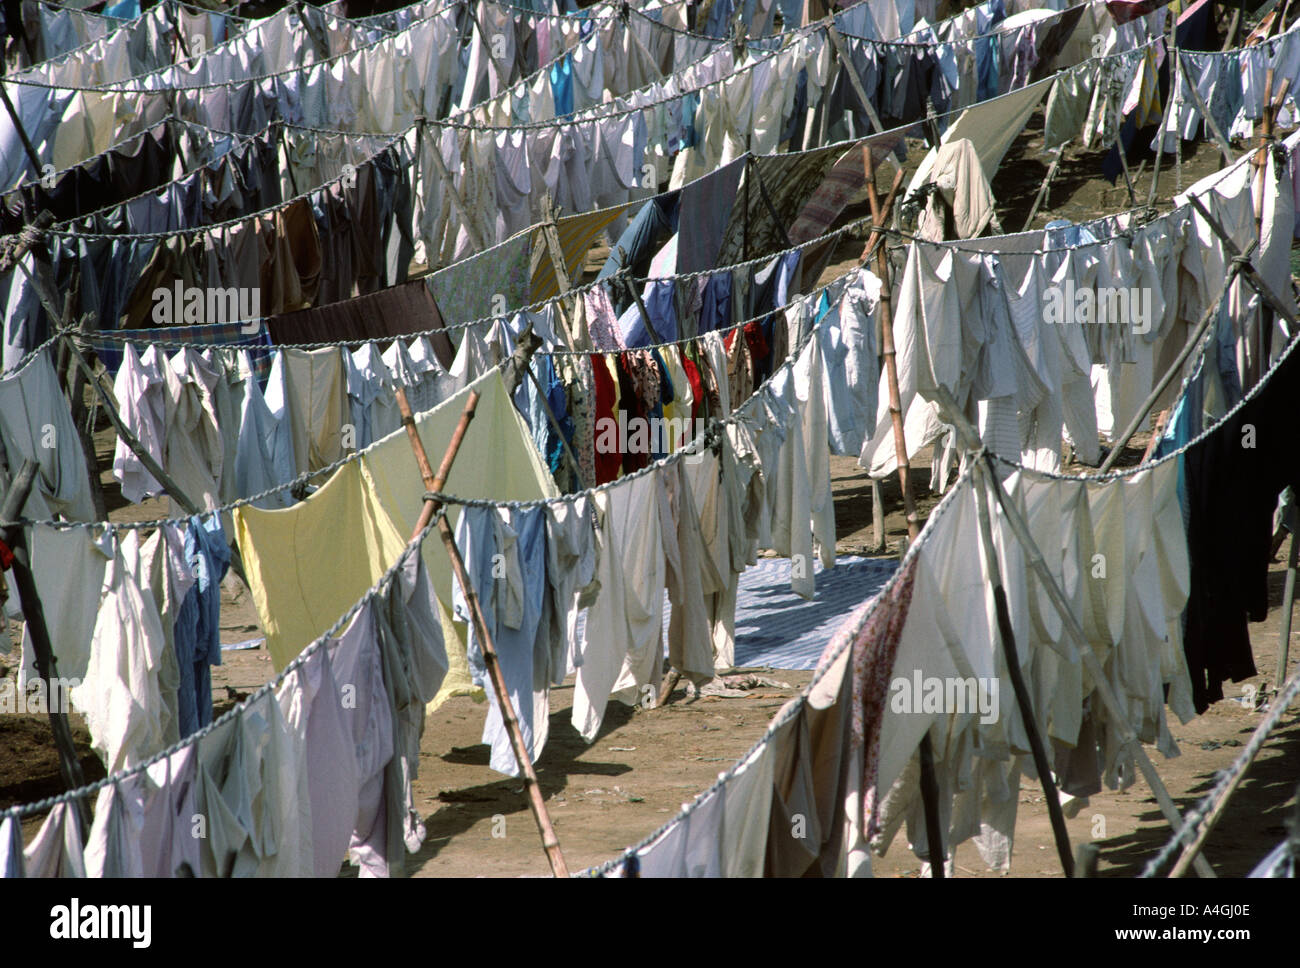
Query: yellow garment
[[497, 461], [577, 233], [309, 564]]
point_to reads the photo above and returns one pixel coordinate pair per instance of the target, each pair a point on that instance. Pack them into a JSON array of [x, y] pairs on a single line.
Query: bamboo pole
[[1043, 188], [930, 804], [32, 156], [1023, 700], [434, 506], [1076, 641], [1288, 601], [1248, 270], [1213, 125], [878, 217], [1164, 123]]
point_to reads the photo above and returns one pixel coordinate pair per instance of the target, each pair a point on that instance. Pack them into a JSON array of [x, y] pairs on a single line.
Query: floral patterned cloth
[[874, 649]]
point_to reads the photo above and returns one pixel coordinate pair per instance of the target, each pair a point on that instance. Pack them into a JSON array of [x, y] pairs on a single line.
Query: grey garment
[[57, 849], [35, 422], [40, 109], [414, 664], [705, 212], [1067, 106]]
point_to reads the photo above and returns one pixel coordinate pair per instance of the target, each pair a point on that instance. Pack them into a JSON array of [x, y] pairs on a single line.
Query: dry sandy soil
[[646, 763]]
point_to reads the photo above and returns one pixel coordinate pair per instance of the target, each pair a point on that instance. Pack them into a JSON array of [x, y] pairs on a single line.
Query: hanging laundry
[[56, 851], [36, 423]]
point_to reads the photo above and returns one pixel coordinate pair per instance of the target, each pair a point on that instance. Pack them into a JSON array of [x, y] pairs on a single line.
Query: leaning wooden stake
[[879, 216], [1023, 699], [1288, 600], [1041, 197], [42, 647], [433, 506], [1175, 368], [1076, 644]]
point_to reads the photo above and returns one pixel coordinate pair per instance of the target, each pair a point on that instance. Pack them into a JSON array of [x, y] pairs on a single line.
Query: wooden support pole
[[1041, 197], [1248, 270], [34, 615], [1175, 368], [432, 506], [1076, 643], [640, 305], [1213, 125], [1085, 860], [551, 235], [503, 75], [1160, 138], [771, 209], [934, 840], [555, 425], [1123, 155], [1178, 103], [1288, 601], [878, 518], [1023, 700], [855, 78], [879, 216], [436, 156]]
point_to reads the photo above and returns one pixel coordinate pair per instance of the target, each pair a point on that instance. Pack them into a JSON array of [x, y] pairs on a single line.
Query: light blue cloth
[[264, 452], [660, 298], [479, 535]]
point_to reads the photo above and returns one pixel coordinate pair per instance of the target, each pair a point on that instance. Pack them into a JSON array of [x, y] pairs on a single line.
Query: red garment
[[608, 462], [758, 348], [697, 386]]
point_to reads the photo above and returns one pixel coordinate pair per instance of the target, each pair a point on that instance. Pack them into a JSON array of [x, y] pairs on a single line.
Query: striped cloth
[[228, 335]]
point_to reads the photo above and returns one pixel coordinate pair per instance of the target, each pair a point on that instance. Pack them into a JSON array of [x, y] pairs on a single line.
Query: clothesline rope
[[1193, 818], [267, 133], [291, 16], [306, 477], [536, 307], [422, 122], [90, 789], [796, 706], [18, 811], [199, 230]]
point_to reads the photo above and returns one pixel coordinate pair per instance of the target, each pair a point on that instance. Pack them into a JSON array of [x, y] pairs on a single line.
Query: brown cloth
[[396, 311]]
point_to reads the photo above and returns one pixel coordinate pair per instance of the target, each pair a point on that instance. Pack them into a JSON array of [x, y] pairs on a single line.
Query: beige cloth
[[964, 189], [316, 388]]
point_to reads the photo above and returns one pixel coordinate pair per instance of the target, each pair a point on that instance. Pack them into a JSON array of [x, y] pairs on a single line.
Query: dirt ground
[[646, 763]]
